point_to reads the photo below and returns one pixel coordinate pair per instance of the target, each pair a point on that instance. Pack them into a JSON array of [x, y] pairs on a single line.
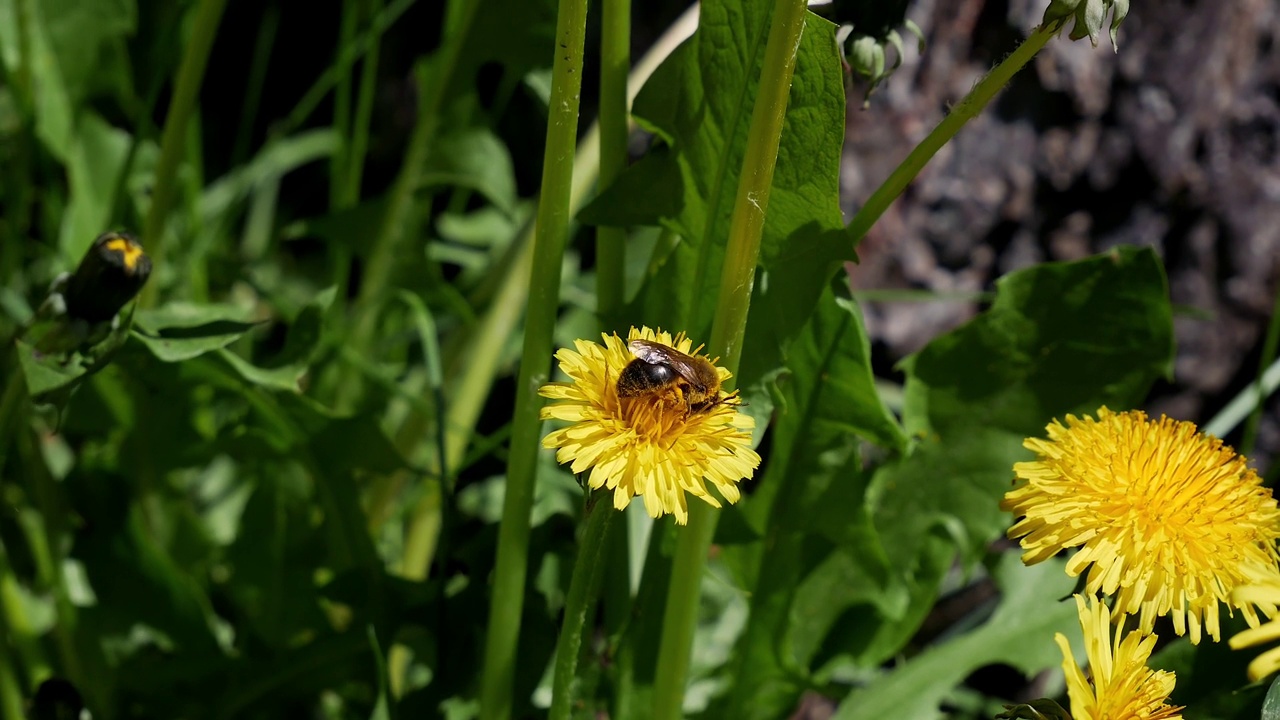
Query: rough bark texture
[[1172, 142]]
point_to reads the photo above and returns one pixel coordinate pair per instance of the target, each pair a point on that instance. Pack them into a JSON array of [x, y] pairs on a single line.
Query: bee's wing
[[657, 353]]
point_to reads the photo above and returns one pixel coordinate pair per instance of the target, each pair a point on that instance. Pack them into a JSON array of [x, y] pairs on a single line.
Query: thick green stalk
[[544, 298], [736, 280], [581, 598], [963, 112], [615, 63], [174, 138]]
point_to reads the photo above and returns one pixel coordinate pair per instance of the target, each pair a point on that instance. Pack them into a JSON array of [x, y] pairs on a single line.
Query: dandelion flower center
[[1167, 519]]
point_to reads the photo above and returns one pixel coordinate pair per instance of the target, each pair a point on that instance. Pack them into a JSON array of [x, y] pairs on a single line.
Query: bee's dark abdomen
[[639, 377]]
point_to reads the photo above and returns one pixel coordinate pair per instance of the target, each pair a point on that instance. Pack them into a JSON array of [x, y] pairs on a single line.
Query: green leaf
[[81, 32], [473, 157], [381, 708], [46, 373], [1019, 634], [181, 331], [94, 164], [279, 157], [1060, 337], [699, 102], [816, 563]]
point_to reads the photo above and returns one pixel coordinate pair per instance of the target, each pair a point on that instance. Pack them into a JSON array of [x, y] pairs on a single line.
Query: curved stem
[[581, 598], [964, 111], [173, 140], [1268, 355], [736, 280], [544, 298]]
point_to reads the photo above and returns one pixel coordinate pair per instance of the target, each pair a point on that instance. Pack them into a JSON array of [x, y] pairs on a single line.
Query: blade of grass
[[1243, 403], [364, 114], [174, 137], [1268, 356], [343, 65], [432, 84], [323, 84]]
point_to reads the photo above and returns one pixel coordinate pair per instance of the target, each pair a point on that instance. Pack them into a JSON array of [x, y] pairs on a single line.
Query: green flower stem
[[10, 693], [963, 112], [483, 352], [1268, 355], [342, 100], [736, 280], [433, 81], [507, 597], [583, 586], [173, 140], [356, 145], [10, 406], [485, 346], [615, 63]]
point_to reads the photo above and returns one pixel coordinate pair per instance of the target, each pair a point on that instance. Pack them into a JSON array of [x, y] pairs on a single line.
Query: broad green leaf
[[1060, 337], [181, 331], [82, 33], [474, 158], [138, 579], [94, 164], [699, 103], [1019, 634], [45, 373], [518, 34], [822, 556], [188, 315], [286, 369]]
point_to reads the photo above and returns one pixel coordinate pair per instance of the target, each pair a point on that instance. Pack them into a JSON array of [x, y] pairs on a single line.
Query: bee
[[658, 368]]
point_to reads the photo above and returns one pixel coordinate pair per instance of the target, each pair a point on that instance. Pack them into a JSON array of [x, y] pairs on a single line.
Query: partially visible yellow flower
[[648, 446], [1265, 591], [1123, 687], [1168, 520]]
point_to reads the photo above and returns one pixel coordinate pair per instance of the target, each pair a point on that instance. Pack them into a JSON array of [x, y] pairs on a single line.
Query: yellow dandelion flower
[[1167, 520], [653, 445], [1264, 591], [1123, 688]]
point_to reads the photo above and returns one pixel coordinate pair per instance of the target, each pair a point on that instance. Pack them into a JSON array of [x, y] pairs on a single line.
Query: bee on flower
[[649, 418]]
